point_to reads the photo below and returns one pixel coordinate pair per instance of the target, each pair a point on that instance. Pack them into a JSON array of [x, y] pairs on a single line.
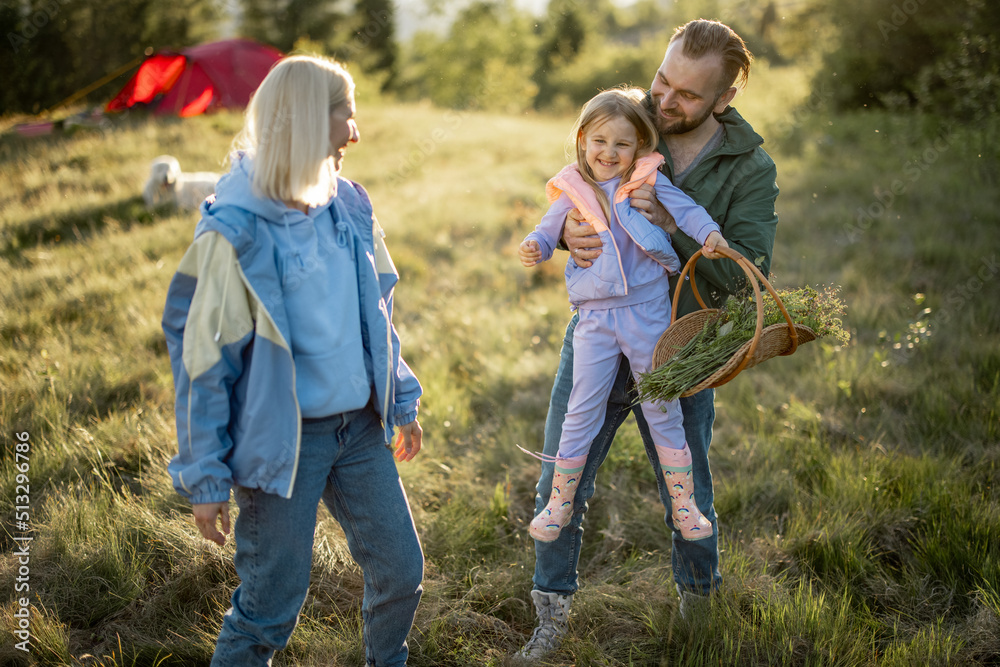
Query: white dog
[[168, 185]]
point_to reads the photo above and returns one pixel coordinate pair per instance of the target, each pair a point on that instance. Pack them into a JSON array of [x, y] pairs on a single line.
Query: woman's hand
[[712, 243], [204, 517], [408, 442], [581, 238]]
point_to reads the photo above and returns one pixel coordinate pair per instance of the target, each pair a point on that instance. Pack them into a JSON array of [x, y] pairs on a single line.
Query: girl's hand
[[205, 515], [713, 242], [408, 442], [530, 253]]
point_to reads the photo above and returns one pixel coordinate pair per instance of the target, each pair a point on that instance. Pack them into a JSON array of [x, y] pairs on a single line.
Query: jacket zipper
[[389, 419], [614, 211]]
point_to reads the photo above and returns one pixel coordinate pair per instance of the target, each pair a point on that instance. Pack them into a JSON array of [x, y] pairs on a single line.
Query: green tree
[[373, 42], [484, 61], [965, 80], [590, 45], [942, 57], [281, 23], [55, 48], [563, 39]]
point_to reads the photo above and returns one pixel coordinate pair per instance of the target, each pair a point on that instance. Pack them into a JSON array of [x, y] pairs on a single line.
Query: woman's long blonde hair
[[287, 129], [627, 103]]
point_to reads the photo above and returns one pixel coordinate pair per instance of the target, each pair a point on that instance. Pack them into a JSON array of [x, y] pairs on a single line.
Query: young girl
[[288, 373], [622, 297]]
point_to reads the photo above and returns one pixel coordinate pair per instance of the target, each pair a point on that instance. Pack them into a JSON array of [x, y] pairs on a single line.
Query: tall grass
[[857, 487]]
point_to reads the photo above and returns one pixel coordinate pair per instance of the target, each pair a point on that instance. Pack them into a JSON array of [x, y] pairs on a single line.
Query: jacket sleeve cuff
[[215, 496], [705, 230], [404, 418]]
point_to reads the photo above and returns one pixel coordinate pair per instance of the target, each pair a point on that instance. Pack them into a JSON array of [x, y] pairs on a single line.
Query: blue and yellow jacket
[[227, 331]]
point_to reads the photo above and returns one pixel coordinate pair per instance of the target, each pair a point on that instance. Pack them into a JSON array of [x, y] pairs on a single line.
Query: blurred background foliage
[[496, 55]]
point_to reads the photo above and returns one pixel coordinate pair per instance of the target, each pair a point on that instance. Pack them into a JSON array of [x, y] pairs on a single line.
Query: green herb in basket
[[733, 326]]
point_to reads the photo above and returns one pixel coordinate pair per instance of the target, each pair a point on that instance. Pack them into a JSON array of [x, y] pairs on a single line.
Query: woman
[[288, 374]]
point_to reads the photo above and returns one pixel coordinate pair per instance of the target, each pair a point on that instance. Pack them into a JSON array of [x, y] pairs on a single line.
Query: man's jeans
[[695, 563], [343, 460]]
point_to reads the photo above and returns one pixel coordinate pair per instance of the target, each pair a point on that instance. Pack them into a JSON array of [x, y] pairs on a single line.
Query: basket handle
[[753, 275]]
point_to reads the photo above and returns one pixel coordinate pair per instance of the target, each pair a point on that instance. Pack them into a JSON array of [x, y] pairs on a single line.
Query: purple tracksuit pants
[[601, 337]]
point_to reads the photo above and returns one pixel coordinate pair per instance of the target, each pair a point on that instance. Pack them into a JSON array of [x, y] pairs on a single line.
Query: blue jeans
[[695, 563], [344, 462]]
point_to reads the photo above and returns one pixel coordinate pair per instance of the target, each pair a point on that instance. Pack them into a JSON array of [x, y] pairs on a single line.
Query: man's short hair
[[704, 38]]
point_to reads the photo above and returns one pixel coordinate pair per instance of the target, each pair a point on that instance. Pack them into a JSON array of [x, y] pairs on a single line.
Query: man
[[714, 156]]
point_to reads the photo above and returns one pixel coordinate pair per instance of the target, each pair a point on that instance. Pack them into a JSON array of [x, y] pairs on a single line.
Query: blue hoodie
[[227, 325]]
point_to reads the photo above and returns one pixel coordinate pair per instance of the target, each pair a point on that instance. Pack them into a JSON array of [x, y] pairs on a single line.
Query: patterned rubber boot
[[550, 521], [688, 519]]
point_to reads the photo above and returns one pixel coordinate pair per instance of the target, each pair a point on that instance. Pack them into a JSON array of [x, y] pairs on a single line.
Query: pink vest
[[585, 199]]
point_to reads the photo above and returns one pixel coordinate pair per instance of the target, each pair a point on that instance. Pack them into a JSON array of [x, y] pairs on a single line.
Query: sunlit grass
[[857, 487]]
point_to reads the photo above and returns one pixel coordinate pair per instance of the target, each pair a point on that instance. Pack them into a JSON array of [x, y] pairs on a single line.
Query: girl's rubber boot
[[688, 519], [550, 521]]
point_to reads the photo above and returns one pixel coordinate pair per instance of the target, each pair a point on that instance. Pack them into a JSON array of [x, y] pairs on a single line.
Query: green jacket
[[736, 185]]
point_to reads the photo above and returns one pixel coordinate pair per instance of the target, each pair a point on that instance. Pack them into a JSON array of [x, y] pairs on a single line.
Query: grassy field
[[858, 488]]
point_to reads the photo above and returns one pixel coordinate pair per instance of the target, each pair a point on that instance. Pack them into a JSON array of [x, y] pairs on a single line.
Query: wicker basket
[[767, 342]]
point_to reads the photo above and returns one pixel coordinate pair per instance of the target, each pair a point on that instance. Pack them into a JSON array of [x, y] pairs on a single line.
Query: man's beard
[[678, 124]]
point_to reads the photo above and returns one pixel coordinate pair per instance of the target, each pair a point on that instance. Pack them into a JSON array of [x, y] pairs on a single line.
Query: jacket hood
[[235, 189], [740, 137]]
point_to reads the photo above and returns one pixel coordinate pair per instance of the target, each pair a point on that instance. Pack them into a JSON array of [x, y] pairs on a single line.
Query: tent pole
[[94, 86]]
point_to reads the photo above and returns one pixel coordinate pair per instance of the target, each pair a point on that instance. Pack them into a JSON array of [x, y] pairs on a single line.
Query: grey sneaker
[[553, 619], [693, 606]]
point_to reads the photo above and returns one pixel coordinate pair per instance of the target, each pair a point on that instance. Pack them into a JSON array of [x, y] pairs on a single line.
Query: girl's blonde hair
[[287, 129], [627, 103]]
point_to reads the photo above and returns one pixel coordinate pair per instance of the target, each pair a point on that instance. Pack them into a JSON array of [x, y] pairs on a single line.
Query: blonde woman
[[289, 379]]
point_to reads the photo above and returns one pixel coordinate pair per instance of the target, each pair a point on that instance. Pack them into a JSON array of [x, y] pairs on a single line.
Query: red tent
[[206, 77]]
